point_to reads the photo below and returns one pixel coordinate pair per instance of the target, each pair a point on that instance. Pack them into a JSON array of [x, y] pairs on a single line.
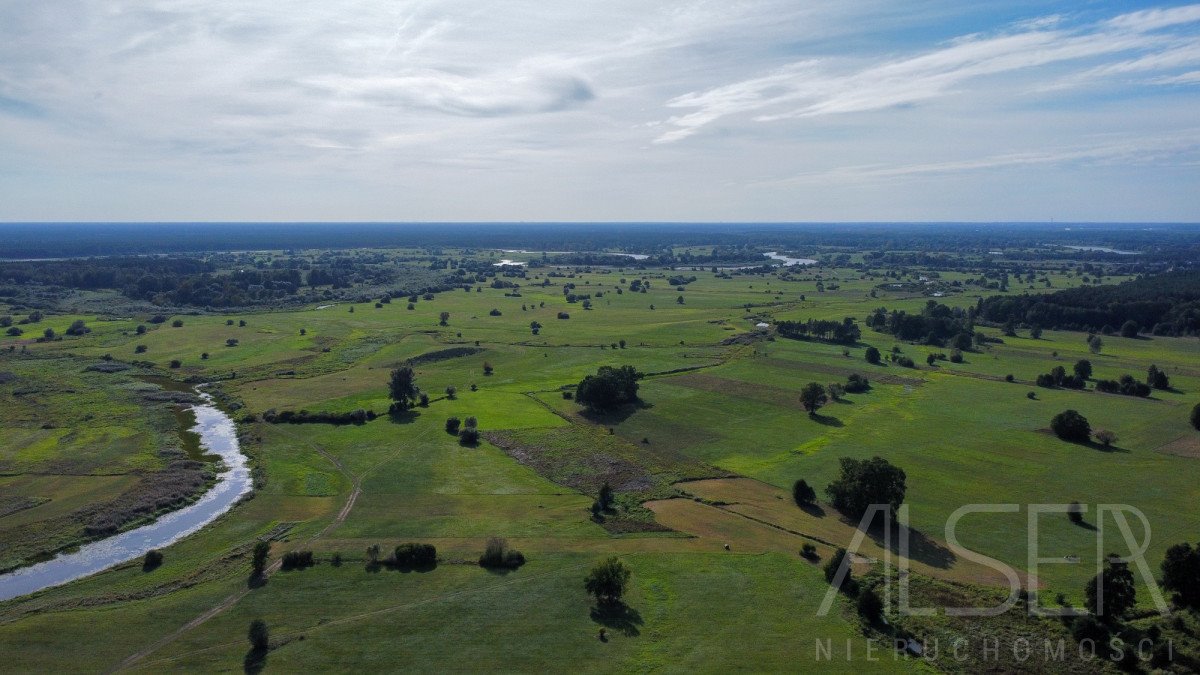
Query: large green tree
[[402, 388], [812, 396], [864, 482], [1119, 595], [609, 388], [607, 581]]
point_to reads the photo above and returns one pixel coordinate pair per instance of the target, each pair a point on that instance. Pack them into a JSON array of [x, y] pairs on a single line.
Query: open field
[[702, 467]]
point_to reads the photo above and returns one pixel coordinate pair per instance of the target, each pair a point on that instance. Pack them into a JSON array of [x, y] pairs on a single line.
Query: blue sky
[[615, 110]]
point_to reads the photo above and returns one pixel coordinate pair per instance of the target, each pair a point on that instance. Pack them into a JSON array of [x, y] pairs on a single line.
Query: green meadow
[[718, 583]]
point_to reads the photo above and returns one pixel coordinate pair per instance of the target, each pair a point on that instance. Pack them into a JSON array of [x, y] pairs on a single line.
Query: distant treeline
[[42, 240], [1164, 304], [185, 281]]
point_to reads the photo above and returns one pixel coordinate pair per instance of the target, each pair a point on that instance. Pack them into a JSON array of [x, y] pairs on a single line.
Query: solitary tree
[[607, 581], [1129, 329], [871, 355], [605, 499], [402, 388], [812, 396], [1181, 574], [1111, 593], [1106, 437], [1069, 425], [865, 482], [1095, 344], [1157, 378], [259, 636], [444, 319], [1083, 369], [803, 493], [258, 560], [609, 388]]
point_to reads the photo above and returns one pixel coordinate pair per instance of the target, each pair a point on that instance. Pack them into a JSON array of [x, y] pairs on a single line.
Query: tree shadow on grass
[[826, 420], [256, 580], [255, 660], [405, 417], [814, 509], [614, 415], [619, 617], [921, 548]]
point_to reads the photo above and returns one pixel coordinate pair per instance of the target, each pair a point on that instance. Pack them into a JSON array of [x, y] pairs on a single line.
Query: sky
[[614, 110]]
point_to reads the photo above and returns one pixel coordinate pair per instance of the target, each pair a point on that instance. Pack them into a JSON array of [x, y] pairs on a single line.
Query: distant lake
[[1102, 249]]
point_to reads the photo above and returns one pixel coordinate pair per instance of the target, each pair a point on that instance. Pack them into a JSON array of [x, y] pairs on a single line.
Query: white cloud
[[523, 109]]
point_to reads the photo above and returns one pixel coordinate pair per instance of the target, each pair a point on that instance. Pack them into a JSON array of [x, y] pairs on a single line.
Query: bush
[[808, 552], [297, 560], [1129, 329], [1069, 425], [258, 560], [607, 581], [415, 556], [956, 356], [803, 493], [1196, 417], [470, 431], [870, 607], [177, 323], [872, 355], [857, 384], [497, 555], [834, 564], [153, 559], [359, 416], [452, 425], [1106, 437], [77, 327], [258, 635], [175, 363]]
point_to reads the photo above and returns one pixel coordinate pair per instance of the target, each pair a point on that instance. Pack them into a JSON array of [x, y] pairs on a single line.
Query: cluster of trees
[[937, 324], [838, 332], [359, 416], [297, 560], [498, 555], [862, 483], [1126, 386], [415, 556], [1165, 304], [1058, 377], [611, 387]]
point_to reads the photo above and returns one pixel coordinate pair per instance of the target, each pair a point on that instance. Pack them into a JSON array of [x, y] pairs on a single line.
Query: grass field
[[703, 471]]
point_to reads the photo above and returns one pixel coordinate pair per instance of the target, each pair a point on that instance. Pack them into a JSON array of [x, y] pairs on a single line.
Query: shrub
[[231, 342], [834, 564], [1129, 329], [1106, 437], [297, 560], [177, 323], [608, 580], [872, 355], [452, 425], [1083, 369], [259, 636], [1181, 574], [563, 315], [153, 559], [77, 327], [1196, 417], [956, 356], [497, 555], [870, 607], [470, 431], [1069, 425], [415, 556], [258, 559], [802, 493], [857, 384], [808, 552]]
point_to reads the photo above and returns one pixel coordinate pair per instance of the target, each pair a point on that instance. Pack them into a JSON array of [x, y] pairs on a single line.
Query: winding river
[[218, 436]]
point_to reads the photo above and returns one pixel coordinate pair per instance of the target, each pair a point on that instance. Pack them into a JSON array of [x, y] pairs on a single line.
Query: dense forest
[[43, 240], [1165, 304]]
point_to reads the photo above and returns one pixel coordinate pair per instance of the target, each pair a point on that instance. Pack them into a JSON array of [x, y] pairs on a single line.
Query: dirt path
[[234, 598]]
